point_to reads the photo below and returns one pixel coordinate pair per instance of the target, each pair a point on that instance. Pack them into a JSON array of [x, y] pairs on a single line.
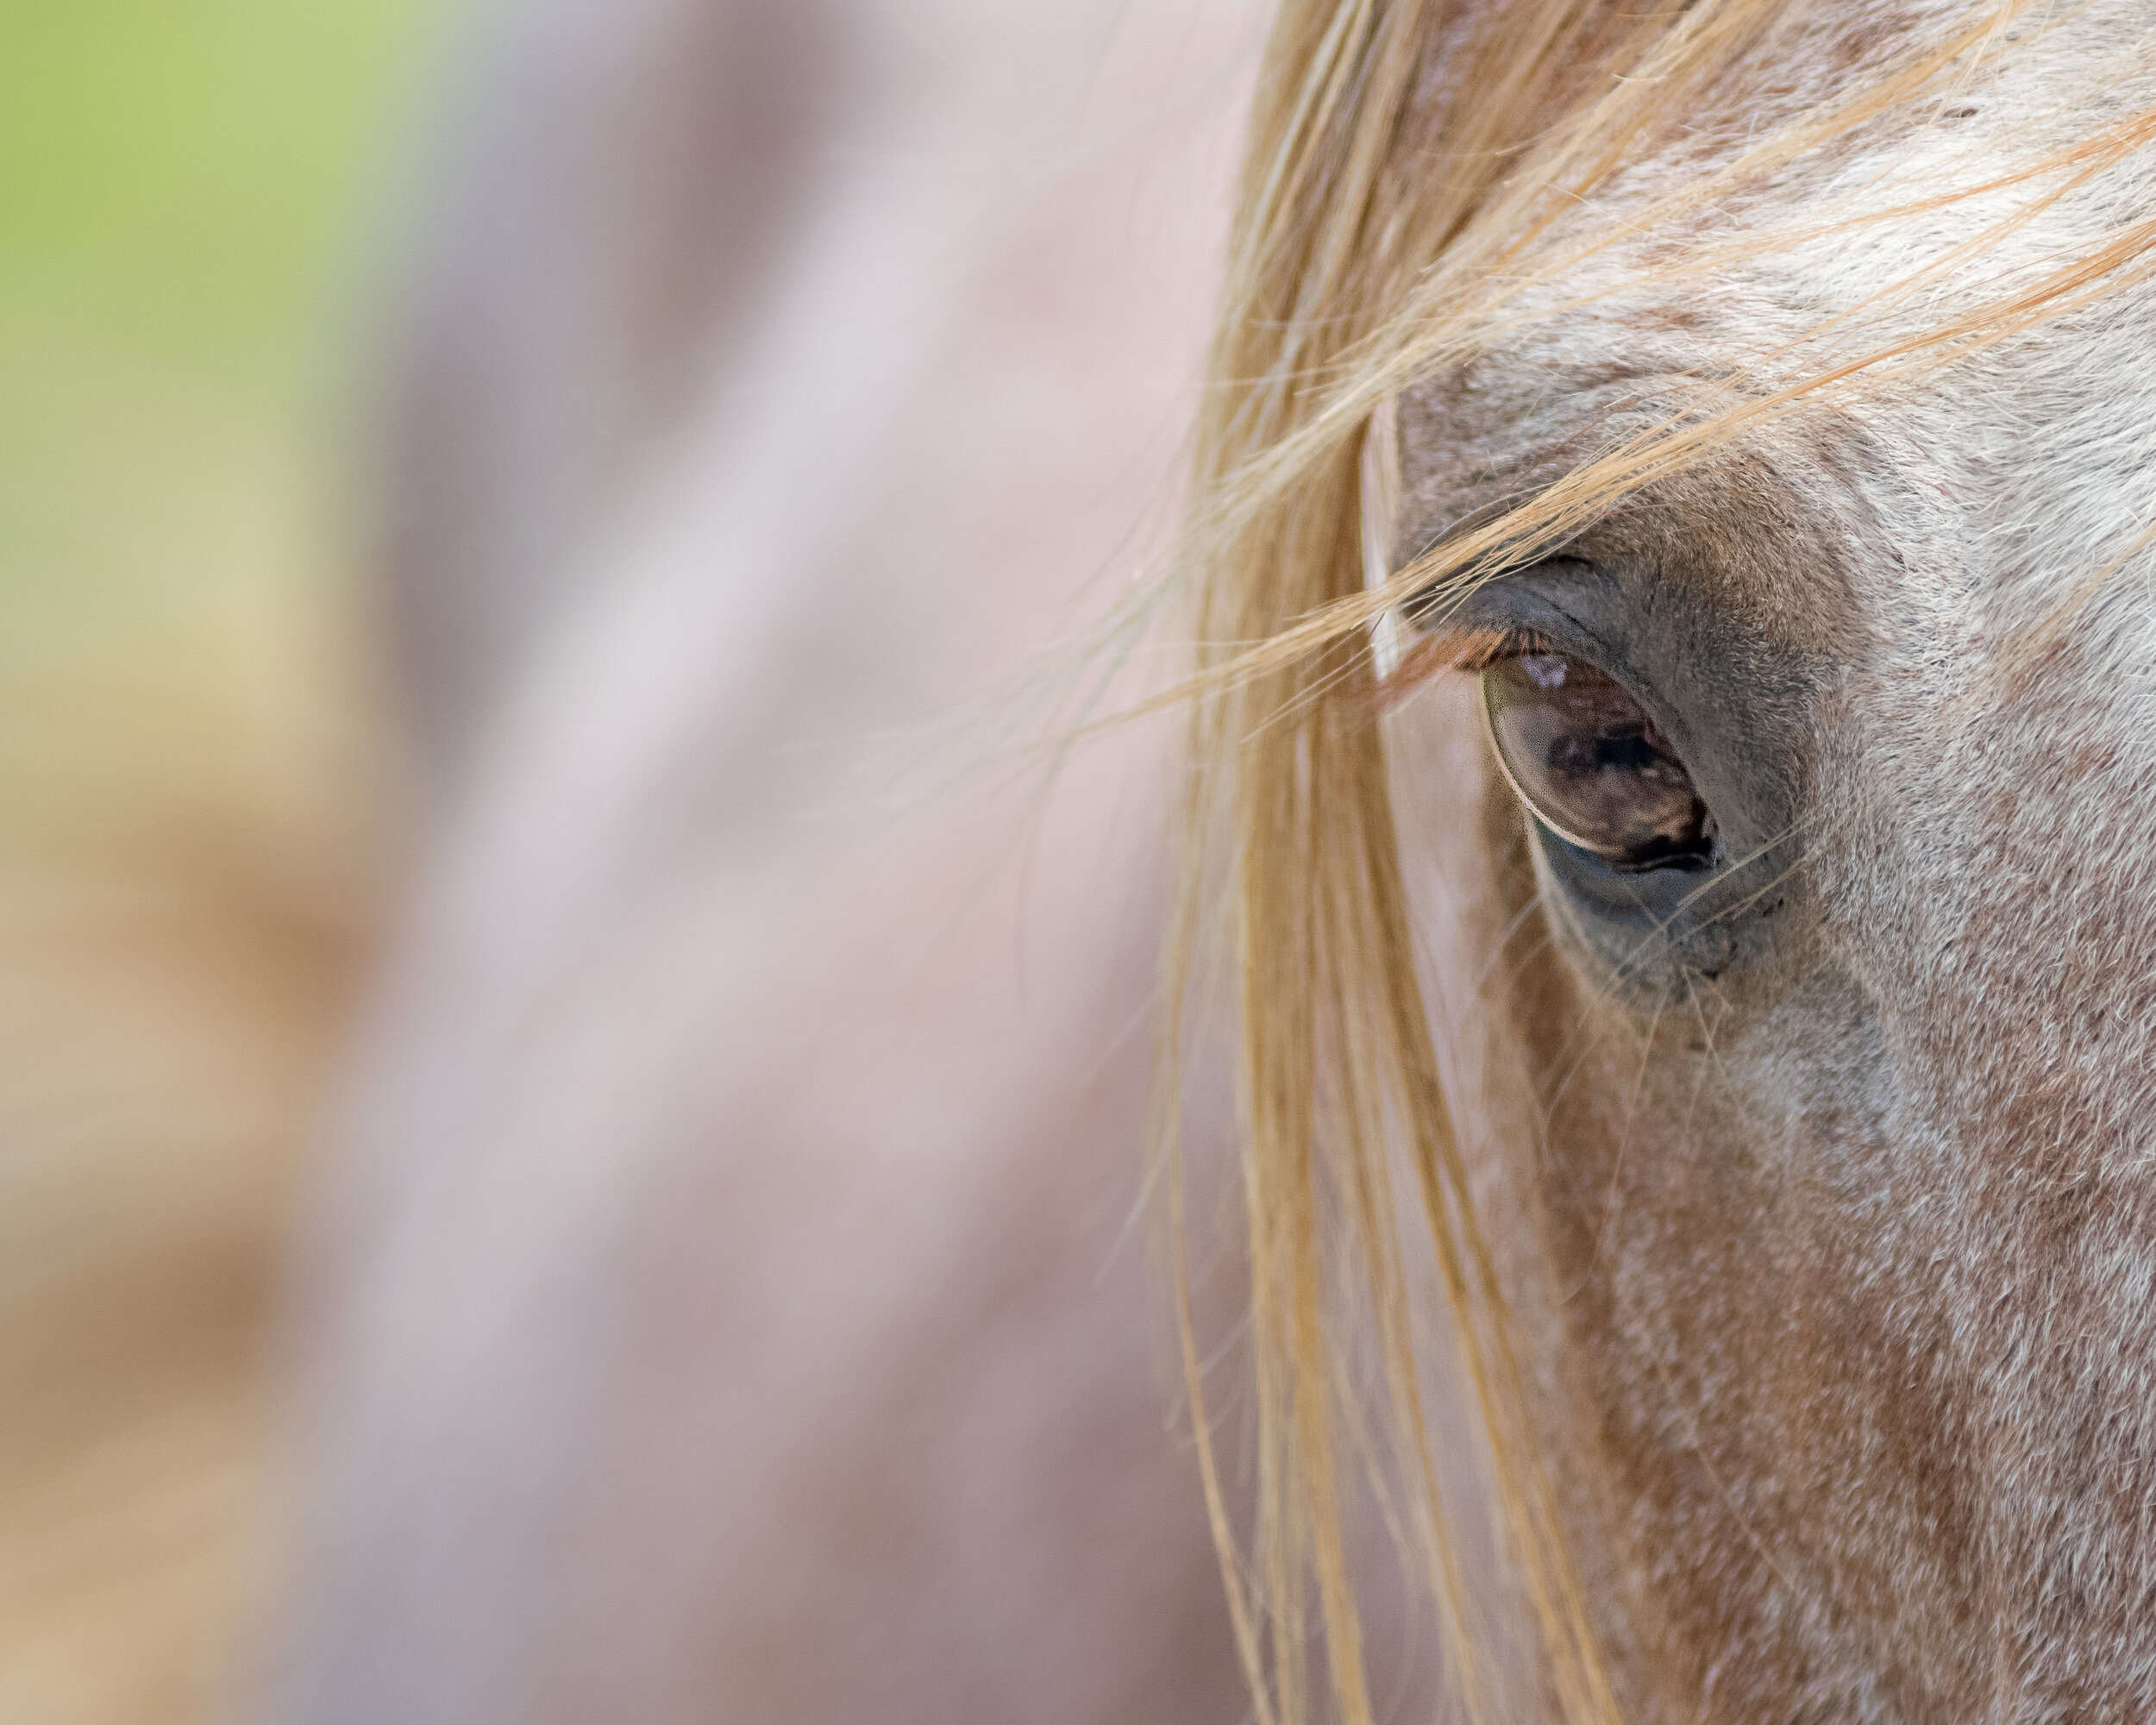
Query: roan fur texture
[[1821, 1193]]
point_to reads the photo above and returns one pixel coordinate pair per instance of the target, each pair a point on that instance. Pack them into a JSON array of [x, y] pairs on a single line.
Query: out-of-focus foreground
[[187, 846]]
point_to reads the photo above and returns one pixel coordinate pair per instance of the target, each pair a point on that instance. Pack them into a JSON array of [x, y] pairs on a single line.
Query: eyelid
[[1471, 650], [1478, 649]]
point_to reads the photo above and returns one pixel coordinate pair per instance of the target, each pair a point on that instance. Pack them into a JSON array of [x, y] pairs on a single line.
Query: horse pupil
[[1582, 757]]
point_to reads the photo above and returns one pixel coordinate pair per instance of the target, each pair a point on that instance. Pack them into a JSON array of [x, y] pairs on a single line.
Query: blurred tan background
[[191, 831]]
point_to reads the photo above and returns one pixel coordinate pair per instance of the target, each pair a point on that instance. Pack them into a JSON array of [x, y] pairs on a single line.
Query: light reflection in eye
[[1588, 762]]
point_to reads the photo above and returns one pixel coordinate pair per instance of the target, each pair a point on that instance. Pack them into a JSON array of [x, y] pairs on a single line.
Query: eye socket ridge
[[1587, 759]]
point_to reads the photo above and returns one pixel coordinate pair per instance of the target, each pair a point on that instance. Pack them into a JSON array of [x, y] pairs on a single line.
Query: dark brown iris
[[1589, 762]]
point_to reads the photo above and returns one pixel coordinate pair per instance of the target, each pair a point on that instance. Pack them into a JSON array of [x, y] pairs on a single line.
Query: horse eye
[[1590, 764]]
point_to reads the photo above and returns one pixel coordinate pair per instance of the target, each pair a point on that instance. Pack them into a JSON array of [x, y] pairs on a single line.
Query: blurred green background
[[176, 174], [186, 187], [198, 201]]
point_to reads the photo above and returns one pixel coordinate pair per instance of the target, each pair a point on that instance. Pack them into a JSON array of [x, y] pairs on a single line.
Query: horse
[[1667, 550]]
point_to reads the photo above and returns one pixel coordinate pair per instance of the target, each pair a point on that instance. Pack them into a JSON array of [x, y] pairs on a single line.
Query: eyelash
[[1483, 647], [1470, 650]]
